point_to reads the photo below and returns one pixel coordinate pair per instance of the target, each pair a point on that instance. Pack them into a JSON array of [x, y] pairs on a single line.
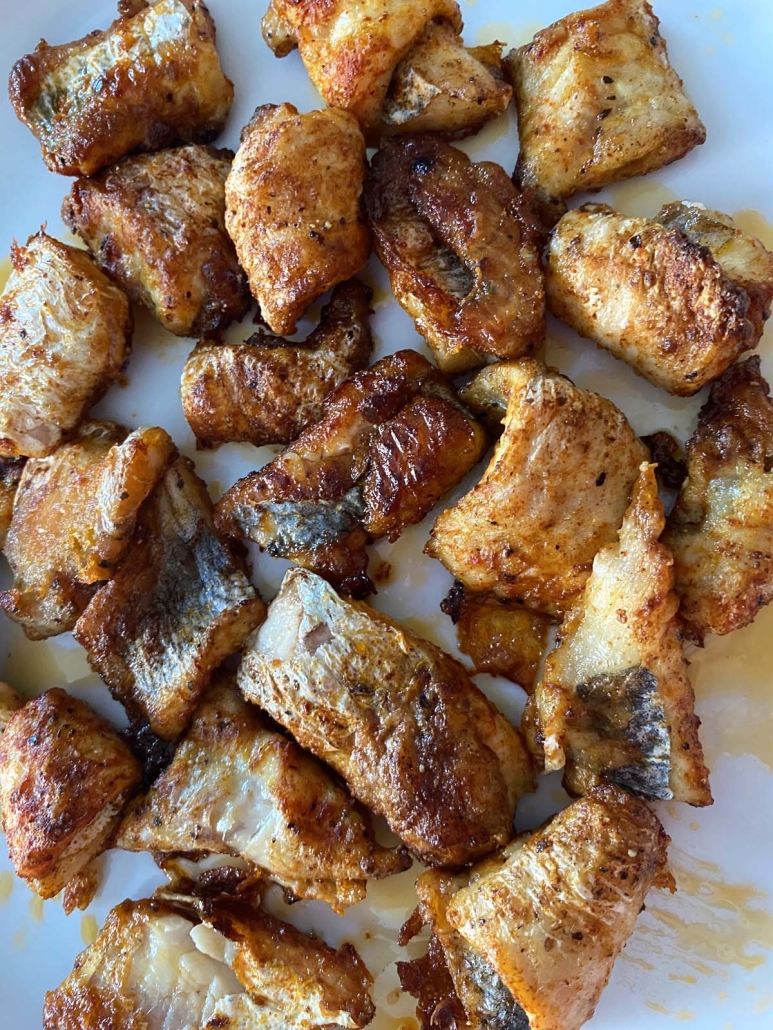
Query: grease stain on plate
[[37, 909], [6, 887], [89, 929]]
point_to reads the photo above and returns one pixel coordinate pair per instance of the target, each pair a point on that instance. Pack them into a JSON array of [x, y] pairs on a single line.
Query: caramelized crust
[[65, 776], [293, 208], [150, 80], [268, 391], [155, 224], [598, 101], [65, 335], [460, 247]]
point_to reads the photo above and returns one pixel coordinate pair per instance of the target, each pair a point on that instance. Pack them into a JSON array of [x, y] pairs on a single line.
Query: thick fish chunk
[[152, 79], [399, 719], [65, 335], [10, 702], [237, 787], [73, 519], [615, 703], [178, 606], [65, 777]]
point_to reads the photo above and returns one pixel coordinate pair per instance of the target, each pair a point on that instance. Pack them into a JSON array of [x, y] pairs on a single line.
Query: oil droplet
[[657, 1008], [6, 887], [37, 911], [19, 940], [716, 14], [686, 979], [636, 960], [685, 1015], [5, 271], [640, 198], [89, 929]]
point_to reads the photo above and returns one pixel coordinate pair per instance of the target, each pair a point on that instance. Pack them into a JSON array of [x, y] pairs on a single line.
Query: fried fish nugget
[[155, 223], [598, 101], [460, 249], [65, 776], [268, 391], [73, 519], [653, 296], [152, 79], [615, 703], [721, 529], [293, 208], [65, 335]]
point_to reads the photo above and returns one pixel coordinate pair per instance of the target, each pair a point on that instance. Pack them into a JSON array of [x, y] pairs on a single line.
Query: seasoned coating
[[155, 224], [65, 776], [554, 493], [461, 250], [293, 208], [598, 101], [351, 50], [651, 295], [178, 606], [73, 519], [615, 703], [551, 913], [155, 965], [268, 391], [10, 702], [152, 79], [399, 719], [65, 335], [393, 441], [721, 529], [502, 638], [10, 477], [237, 787]]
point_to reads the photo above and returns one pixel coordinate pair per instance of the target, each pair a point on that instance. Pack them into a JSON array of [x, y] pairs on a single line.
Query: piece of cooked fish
[[152, 79], [266, 390], [65, 336], [653, 293], [615, 702], [721, 529], [598, 101], [393, 440], [399, 719], [554, 493], [293, 208], [460, 246], [10, 702], [238, 787], [10, 477], [65, 777], [155, 223], [178, 606], [73, 519]]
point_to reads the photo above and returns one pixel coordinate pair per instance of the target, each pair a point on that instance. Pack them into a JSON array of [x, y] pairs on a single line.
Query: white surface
[[716, 972]]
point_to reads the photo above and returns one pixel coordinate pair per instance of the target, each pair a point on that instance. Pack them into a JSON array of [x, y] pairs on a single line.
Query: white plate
[[703, 955]]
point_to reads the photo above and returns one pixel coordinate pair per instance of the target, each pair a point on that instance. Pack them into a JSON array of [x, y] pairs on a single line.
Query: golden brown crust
[[65, 775], [399, 719], [65, 335], [554, 493], [10, 477], [720, 529], [179, 604], [155, 223], [267, 391], [459, 244], [649, 294], [73, 519], [152, 79], [598, 101], [293, 208]]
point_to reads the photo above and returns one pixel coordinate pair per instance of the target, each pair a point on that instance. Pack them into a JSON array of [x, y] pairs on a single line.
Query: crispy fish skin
[[73, 519], [293, 208], [460, 249], [615, 703], [65, 335], [598, 101], [267, 391], [399, 719], [650, 295], [179, 604], [155, 223], [720, 529], [10, 702], [394, 439], [551, 913], [554, 493], [65, 776], [10, 476], [152, 79], [238, 787]]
